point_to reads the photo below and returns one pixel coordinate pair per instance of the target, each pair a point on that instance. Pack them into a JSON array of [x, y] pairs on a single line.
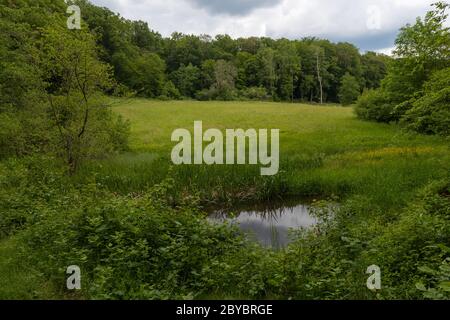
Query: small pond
[[268, 224]]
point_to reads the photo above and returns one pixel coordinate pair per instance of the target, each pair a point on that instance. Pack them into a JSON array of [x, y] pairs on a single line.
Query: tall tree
[[288, 70], [319, 76], [349, 90], [75, 80], [225, 75], [187, 80], [267, 73]]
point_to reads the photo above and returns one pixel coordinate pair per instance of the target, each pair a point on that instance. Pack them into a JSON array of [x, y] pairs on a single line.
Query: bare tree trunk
[[319, 78], [292, 86]]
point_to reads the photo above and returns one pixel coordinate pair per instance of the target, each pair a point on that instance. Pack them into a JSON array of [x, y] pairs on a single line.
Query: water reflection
[[268, 224]]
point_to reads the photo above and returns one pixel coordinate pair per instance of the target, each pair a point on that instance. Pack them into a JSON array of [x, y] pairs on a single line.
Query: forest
[[86, 178]]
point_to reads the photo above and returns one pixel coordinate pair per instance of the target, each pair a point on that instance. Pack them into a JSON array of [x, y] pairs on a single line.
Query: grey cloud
[[233, 7], [372, 42], [336, 20]]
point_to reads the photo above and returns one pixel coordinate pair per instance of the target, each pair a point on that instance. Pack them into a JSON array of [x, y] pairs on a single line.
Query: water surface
[[268, 224]]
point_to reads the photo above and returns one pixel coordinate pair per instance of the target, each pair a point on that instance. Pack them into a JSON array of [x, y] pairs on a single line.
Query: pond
[[268, 224]]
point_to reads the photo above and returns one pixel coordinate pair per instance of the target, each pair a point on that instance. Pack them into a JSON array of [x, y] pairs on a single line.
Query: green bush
[[374, 105], [430, 114], [170, 91], [255, 93], [414, 244]]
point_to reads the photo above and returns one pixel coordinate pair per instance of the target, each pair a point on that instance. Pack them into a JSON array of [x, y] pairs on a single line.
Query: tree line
[[205, 68]]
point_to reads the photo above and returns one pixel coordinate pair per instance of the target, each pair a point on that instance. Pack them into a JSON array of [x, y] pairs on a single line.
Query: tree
[[144, 38], [319, 77], [430, 114], [267, 73], [288, 69], [349, 90], [143, 72], [187, 80], [149, 75], [207, 73], [421, 50], [75, 78], [225, 74], [183, 49], [408, 93], [348, 60], [374, 69], [224, 47], [251, 70]]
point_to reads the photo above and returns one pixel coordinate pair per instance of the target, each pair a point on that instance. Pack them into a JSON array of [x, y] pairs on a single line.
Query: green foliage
[[186, 79], [10, 136], [417, 241], [224, 85], [142, 73], [131, 247], [349, 90], [374, 105], [85, 127], [430, 114], [288, 68], [170, 91], [255, 93], [53, 81], [143, 60], [146, 247], [407, 92], [135, 228], [374, 69]]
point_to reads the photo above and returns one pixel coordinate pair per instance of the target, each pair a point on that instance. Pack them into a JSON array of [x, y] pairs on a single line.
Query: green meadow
[[325, 151]]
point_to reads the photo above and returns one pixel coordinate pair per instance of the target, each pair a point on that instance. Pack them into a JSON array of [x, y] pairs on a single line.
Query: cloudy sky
[[370, 24]]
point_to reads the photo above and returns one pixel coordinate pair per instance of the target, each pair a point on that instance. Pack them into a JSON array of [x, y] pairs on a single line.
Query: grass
[[324, 151], [19, 281]]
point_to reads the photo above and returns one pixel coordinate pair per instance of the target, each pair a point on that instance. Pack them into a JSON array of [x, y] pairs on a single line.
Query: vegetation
[[147, 64], [79, 185], [131, 219], [415, 90], [349, 91]]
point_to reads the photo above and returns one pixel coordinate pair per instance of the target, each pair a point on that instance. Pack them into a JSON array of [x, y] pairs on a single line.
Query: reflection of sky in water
[[270, 227]]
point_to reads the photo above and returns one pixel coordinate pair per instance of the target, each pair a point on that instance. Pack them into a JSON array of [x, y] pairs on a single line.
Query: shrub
[[430, 114], [255, 93], [374, 105], [170, 91], [10, 135]]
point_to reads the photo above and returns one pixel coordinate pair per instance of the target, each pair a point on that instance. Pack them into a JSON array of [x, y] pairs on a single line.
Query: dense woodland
[[202, 67], [205, 68]]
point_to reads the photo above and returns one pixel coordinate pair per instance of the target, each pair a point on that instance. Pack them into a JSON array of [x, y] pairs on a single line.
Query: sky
[[369, 24]]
